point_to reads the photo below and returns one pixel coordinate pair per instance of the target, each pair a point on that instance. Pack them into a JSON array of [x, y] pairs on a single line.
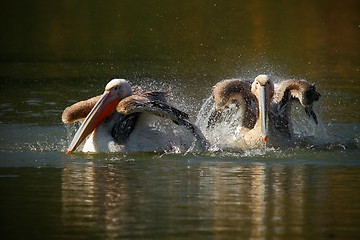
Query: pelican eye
[[115, 88]]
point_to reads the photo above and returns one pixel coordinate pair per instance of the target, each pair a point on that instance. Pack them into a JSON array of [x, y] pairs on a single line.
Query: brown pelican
[[266, 107], [118, 114]]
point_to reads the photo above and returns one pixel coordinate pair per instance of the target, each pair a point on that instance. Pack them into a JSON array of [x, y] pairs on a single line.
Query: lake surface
[[55, 53]]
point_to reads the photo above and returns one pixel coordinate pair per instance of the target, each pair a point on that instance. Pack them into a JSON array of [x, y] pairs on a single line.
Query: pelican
[[120, 115], [266, 107]]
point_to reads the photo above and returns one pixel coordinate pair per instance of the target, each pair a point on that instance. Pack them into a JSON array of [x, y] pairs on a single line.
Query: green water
[[54, 53]]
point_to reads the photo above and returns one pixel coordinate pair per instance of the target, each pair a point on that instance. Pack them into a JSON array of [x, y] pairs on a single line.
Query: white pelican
[[265, 106], [117, 117]]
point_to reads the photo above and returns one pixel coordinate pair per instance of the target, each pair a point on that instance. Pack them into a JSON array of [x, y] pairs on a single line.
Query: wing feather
[[299, 90], [137, 104], [79, 110], [236, 91]]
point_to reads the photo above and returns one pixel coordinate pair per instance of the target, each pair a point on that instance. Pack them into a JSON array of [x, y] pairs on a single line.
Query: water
[[53, 54]]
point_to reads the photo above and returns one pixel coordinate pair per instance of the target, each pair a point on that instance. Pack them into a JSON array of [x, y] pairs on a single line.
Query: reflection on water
[[217, 199]]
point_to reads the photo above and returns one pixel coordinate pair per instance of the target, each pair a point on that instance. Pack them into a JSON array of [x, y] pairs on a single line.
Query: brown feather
[[79, 110], [236, 91]]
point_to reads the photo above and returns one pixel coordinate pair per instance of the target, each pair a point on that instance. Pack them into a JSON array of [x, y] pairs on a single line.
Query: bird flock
[[122, 118]]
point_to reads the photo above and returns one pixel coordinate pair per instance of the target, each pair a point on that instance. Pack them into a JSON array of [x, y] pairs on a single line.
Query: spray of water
[[224, 135]]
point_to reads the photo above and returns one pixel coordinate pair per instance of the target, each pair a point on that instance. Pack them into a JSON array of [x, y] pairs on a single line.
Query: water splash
[[224, 133], [35, 138], [223, 136]]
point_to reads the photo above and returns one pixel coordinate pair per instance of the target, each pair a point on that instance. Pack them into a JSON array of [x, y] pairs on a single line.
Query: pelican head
[[115, 91], [263, 89]]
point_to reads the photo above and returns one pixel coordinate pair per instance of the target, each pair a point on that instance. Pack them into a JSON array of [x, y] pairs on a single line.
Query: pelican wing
[[300, 90], [156, 95], [137, 104], [124, 127], [79, 110], [235, 91]]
